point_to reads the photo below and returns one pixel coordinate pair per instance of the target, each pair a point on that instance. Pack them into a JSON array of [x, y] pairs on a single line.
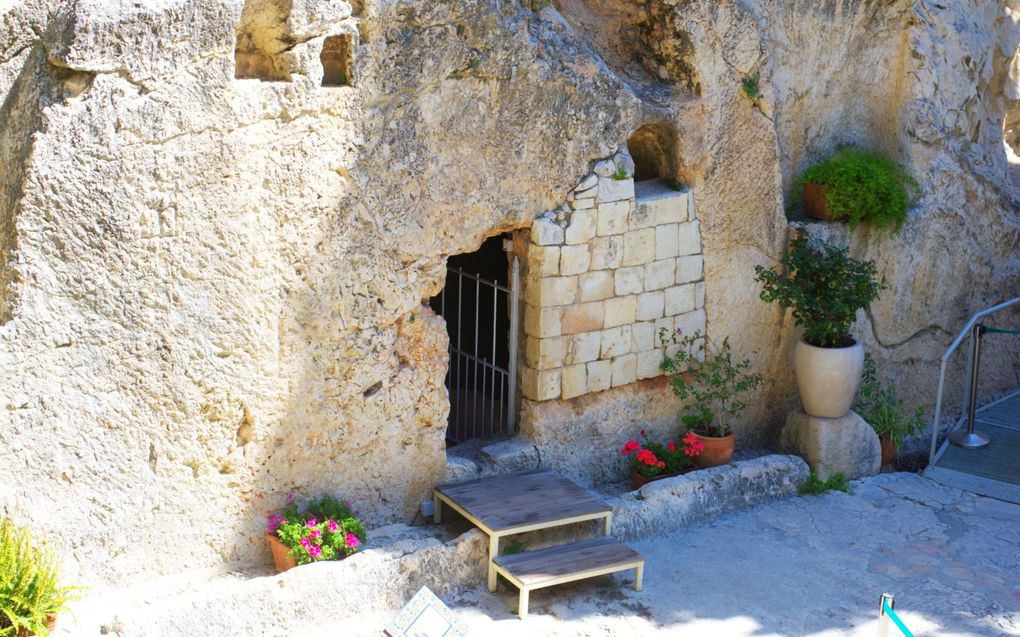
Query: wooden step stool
[[530, 501], [568, 563]]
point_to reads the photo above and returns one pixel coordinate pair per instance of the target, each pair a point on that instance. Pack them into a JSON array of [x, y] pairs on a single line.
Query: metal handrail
[[945, 358], [887, 614]]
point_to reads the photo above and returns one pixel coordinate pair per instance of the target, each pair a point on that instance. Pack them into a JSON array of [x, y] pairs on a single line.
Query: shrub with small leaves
[[825, 288], [881, 408], [621, 174], [708, 380], [862, 187], [30, 588]]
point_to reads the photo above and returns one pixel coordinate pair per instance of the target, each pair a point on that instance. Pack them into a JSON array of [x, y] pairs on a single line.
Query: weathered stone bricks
[[574, 260], [583, 317], [679, 299], [690, 268], [650, 306], [606, 252], [620, 310], [545, 232], [601, 293], [660, 274], [581, 228], [595, 286], [574, 381], [612, 218], [689, 239], [639, 246]]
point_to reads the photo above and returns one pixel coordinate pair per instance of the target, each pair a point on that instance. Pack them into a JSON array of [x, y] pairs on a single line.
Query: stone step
[[568, 563]]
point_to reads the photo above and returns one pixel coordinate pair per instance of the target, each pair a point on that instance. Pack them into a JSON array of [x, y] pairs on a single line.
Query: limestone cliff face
[[212, 266]]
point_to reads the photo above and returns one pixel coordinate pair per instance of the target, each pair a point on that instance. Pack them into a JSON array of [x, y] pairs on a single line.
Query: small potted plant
[[326, 530], [883, 410], [31, 594], [857, 186], [708, 380], [652, 460], [825, 288]]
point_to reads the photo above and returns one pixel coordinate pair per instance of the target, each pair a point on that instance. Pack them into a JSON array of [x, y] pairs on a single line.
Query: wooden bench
[[568, 563]]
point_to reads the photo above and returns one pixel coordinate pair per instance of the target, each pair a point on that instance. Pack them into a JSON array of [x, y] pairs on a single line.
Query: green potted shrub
[[652, 460], [883, 410], [327, 529], [825, 288], [708, 380], [31, 594], [857, 187]]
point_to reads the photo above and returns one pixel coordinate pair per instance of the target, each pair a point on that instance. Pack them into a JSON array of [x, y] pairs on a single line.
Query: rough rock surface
[[211, 287], [846, 445]]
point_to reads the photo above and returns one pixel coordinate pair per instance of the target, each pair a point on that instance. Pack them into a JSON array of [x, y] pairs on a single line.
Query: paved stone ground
[[800, 566]]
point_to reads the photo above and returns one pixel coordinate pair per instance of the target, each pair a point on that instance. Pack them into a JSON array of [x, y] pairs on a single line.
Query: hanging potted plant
[[652, 461], [326, 530], [883, 410], [857, 186], [707, 379], [825, 288]]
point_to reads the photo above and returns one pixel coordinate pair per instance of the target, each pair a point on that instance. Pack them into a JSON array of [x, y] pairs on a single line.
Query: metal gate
[[481, 317]]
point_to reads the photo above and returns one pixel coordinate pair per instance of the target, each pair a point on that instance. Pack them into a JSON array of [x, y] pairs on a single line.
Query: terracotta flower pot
[[282, 560], [814, 202], [51, 624], [827, 377], [717, 451], [888, 451], [637, 480]]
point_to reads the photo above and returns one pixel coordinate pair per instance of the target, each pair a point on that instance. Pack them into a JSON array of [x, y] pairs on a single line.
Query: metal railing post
[[971, 439], [883, 618]]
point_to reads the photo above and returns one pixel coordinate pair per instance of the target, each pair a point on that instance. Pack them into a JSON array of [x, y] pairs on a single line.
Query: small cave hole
[[653, 148], [337, 68]]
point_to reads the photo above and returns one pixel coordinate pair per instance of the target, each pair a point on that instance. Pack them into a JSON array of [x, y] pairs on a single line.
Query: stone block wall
[[606, 274]]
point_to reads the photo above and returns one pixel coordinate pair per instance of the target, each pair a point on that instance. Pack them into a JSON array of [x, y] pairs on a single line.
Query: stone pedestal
[[846, 445]]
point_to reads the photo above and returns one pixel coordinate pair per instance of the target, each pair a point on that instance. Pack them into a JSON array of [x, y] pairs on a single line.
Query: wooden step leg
[[639, 576], [522, 605], [437, 514], [493, 554]]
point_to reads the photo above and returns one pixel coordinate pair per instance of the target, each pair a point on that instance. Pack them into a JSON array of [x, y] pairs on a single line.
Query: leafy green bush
[[621, 174], [815, 486], [30, 589], [825, 288], [707, 376], [326, 530], [883, 410], [862, 187]]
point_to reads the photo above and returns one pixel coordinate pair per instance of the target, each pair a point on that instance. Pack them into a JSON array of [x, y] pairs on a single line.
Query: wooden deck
[[530, 501]]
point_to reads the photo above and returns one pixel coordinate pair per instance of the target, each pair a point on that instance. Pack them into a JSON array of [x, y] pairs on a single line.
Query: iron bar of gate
[[515, 284], [492, 402], [474, 394], [460, 305]]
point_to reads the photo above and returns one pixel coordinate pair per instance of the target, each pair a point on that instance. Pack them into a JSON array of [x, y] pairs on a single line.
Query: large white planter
[[828, 378]]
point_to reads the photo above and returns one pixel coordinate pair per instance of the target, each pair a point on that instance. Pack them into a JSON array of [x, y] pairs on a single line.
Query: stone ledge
[[672, 503]]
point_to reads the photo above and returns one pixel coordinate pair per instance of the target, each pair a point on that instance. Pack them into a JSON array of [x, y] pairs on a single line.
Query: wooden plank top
[[536, 567], [526, 498]]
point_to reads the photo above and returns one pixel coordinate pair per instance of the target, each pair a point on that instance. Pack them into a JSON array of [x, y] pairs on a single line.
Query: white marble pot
[[828, 377]]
